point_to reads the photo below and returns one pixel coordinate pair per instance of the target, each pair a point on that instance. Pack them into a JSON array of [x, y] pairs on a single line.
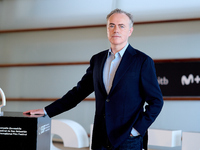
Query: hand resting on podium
[[35, 112]]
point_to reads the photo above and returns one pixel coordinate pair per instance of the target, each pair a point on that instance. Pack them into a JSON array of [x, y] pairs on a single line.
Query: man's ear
[[130, 31]]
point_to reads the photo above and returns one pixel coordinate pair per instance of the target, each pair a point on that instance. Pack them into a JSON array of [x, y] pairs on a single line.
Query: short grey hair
[[119, 11]]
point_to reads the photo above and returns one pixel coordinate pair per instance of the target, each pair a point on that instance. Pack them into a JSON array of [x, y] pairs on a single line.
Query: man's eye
[[121, 26], [111, 26]]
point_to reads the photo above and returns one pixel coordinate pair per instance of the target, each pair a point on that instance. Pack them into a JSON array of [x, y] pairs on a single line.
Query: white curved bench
[[72, 133]]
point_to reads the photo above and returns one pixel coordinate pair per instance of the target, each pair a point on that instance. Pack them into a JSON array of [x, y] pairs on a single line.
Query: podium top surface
[[18, 114]]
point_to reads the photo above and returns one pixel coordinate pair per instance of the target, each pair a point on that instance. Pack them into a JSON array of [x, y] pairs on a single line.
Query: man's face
[[118, 29]]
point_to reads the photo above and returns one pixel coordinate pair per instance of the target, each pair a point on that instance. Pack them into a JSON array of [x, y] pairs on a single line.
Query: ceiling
[[23, 14]]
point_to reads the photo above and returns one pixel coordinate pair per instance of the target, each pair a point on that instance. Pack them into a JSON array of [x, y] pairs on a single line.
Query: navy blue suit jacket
[[135, 83]]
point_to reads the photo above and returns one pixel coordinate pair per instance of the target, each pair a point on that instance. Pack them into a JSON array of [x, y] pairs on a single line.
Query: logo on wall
[[190, 79], [163, 81], [178, 78]]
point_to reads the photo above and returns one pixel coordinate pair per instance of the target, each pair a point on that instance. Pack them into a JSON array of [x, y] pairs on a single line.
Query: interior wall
[[160, 41], [25, 14]]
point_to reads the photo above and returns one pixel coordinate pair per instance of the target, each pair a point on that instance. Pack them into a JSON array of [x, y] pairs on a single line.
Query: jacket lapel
[[125, 63], [101, 71]]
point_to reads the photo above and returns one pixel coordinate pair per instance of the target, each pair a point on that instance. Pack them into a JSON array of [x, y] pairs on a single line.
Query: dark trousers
[[132, 143], [145, 141]]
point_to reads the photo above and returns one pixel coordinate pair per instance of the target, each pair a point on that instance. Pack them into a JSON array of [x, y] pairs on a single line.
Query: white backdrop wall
[[160, 41], [20, 14]]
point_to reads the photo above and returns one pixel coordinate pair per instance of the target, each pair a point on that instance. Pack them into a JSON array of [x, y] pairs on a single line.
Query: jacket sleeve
[[151, 94], [74, 96]]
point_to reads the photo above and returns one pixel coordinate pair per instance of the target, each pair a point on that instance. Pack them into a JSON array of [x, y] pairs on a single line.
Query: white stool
[[91, 131], [190, 141], [166, 138]]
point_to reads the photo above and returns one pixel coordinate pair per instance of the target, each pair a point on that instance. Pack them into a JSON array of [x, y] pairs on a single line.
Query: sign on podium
[[24, 132]]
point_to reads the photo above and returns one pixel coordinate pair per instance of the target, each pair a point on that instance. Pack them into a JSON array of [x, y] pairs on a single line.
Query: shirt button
[[107, 100]]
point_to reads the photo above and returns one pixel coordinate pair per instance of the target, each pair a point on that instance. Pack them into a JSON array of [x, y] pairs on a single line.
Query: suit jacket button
[[107, 100]]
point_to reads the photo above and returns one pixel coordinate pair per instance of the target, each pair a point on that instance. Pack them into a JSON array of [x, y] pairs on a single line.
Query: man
[[123, 79]]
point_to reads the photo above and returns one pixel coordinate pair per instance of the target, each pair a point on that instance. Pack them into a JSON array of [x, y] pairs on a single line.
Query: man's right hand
[[35, 112]]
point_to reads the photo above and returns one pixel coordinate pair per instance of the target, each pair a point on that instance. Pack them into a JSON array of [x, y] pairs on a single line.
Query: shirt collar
[[121, 52]]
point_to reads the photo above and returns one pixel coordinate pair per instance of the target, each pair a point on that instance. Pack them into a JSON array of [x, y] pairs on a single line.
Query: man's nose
[[116, 29]]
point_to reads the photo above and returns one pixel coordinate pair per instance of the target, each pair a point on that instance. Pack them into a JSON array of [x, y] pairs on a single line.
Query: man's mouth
[[116, 36]]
